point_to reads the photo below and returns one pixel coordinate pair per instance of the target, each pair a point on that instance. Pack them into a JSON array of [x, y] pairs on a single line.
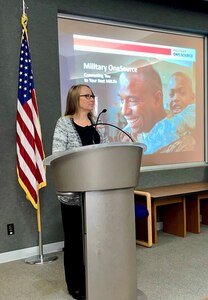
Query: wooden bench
[[182, 206]]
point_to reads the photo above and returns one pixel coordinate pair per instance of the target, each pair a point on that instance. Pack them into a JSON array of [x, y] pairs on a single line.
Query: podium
[[106, 175]]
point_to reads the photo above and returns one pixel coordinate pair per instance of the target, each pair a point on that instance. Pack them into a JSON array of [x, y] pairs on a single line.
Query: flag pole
[[23, 7], [40, 259], [39, 232]]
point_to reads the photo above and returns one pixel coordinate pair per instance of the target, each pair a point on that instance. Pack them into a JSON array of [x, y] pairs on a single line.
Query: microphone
[[108, 124], [96, 123]]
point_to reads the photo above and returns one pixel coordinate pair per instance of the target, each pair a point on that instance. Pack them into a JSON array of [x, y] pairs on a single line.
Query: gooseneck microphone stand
[[124, 132]]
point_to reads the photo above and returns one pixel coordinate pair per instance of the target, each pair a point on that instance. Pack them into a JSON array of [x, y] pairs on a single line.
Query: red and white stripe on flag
[[30, 154]]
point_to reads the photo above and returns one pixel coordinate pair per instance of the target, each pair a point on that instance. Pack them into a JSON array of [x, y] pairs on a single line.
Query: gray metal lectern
[[106, 174]]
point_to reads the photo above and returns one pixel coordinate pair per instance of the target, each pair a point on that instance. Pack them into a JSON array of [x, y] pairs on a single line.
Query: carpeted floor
[[173, 269]]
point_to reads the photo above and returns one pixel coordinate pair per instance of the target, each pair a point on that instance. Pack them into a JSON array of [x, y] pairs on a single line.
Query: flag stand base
[[41, 259]]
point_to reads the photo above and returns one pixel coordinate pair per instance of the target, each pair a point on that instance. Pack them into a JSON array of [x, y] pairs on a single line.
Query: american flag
[[30, 153]]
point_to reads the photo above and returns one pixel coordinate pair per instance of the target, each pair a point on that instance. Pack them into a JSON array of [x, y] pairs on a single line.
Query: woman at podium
[[75, 129]]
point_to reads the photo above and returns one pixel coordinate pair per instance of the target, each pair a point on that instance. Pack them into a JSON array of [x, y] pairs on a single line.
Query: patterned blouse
[[65, 138]]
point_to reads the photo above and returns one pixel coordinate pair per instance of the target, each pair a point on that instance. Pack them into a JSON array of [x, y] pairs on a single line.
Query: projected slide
[[151, 90]]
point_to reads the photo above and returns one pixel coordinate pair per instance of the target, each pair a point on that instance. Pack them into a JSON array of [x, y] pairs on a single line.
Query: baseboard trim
[[28, 252]]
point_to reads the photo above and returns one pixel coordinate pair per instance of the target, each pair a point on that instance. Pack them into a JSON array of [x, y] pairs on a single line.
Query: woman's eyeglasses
[[87, 96]]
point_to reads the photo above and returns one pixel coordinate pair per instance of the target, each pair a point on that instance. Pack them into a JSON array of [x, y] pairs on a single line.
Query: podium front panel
[[110, 245]]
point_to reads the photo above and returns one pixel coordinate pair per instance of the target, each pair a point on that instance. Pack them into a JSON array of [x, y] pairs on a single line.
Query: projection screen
[[106, 56]]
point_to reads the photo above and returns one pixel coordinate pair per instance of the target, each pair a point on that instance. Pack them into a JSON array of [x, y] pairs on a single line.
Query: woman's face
[[86, 99]]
